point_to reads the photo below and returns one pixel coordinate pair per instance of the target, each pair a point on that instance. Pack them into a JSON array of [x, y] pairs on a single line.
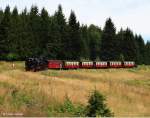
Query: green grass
[[141, 83]]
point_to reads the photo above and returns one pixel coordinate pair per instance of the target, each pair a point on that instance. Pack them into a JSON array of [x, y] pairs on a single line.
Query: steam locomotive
[[36, 64]]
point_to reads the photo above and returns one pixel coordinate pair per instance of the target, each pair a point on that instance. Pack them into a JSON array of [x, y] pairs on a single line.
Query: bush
[[1, 100], [97, 107], [12, 57], [20, 98], [69, 108]]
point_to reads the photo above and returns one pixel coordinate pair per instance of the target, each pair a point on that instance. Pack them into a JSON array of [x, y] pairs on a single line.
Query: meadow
[[43, 93]]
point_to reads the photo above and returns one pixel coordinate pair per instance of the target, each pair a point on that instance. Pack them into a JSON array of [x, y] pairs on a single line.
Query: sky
[[134, 14]]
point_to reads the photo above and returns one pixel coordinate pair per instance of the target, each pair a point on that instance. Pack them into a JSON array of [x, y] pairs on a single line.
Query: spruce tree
[[108, 43], [130, 49], [97, 106], [147, 53], [34, 29], [141, 49], [74, 42], [4, 32], [54, 42], [14, 34], [26, 37], [120, 44], [44, 34], [1, 15], [85, 54], [95, 41], [62, 30], [34, 35]]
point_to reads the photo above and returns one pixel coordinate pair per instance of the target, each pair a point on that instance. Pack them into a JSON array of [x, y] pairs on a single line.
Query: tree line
[[35, 33]]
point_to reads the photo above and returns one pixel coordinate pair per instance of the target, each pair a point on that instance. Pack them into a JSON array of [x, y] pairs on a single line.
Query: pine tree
[[34, 29], [108, 43], [4, 32], [97, 106], [1, 15], [74, 43], [141, 49], [85, 54], [95, 40], [147, 53], [44, 34], [130, 49], [26, 37], [14, 34], [58, 37], [120, 44], [33, 35], [62, 29], [54, 42]]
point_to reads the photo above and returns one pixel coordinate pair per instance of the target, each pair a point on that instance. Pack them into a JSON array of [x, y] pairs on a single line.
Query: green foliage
[[140, 49], [34, 28], [6, 85], [147, 53], [97, 106], [140, 83], [94, 43], [1, 15], [121, 58], [74, 42], [108, 43], [69, 108], [85, 54], [12, 57], [35, 34], [129, 46], [4, 33], [1, 100], [13, 36], [20, 98]]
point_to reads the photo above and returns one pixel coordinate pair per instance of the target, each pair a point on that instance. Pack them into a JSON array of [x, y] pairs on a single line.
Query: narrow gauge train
[[35, 64], [58, 64]]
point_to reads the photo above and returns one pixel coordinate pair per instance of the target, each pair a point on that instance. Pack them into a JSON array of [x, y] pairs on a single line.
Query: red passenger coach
[[88, 64], [115, 64], [129, 64], [101, 64], [54, 64], [71, 65]]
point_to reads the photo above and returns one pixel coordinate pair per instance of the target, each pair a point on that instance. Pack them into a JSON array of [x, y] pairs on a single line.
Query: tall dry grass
[[127, 90]]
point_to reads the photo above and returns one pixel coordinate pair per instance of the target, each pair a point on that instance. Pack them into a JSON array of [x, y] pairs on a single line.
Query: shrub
[[67, 106], [79, 110], [72, 109], [12, 57], [1, 100], [97, 107], [20, 98]]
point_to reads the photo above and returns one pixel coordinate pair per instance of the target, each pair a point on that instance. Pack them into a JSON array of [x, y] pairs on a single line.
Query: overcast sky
[[124, 13]]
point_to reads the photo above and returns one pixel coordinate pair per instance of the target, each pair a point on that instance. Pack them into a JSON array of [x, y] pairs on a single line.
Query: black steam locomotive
[[35, 64]]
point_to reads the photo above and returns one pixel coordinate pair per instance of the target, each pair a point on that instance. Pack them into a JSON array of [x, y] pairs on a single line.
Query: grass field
[[41, 93]]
